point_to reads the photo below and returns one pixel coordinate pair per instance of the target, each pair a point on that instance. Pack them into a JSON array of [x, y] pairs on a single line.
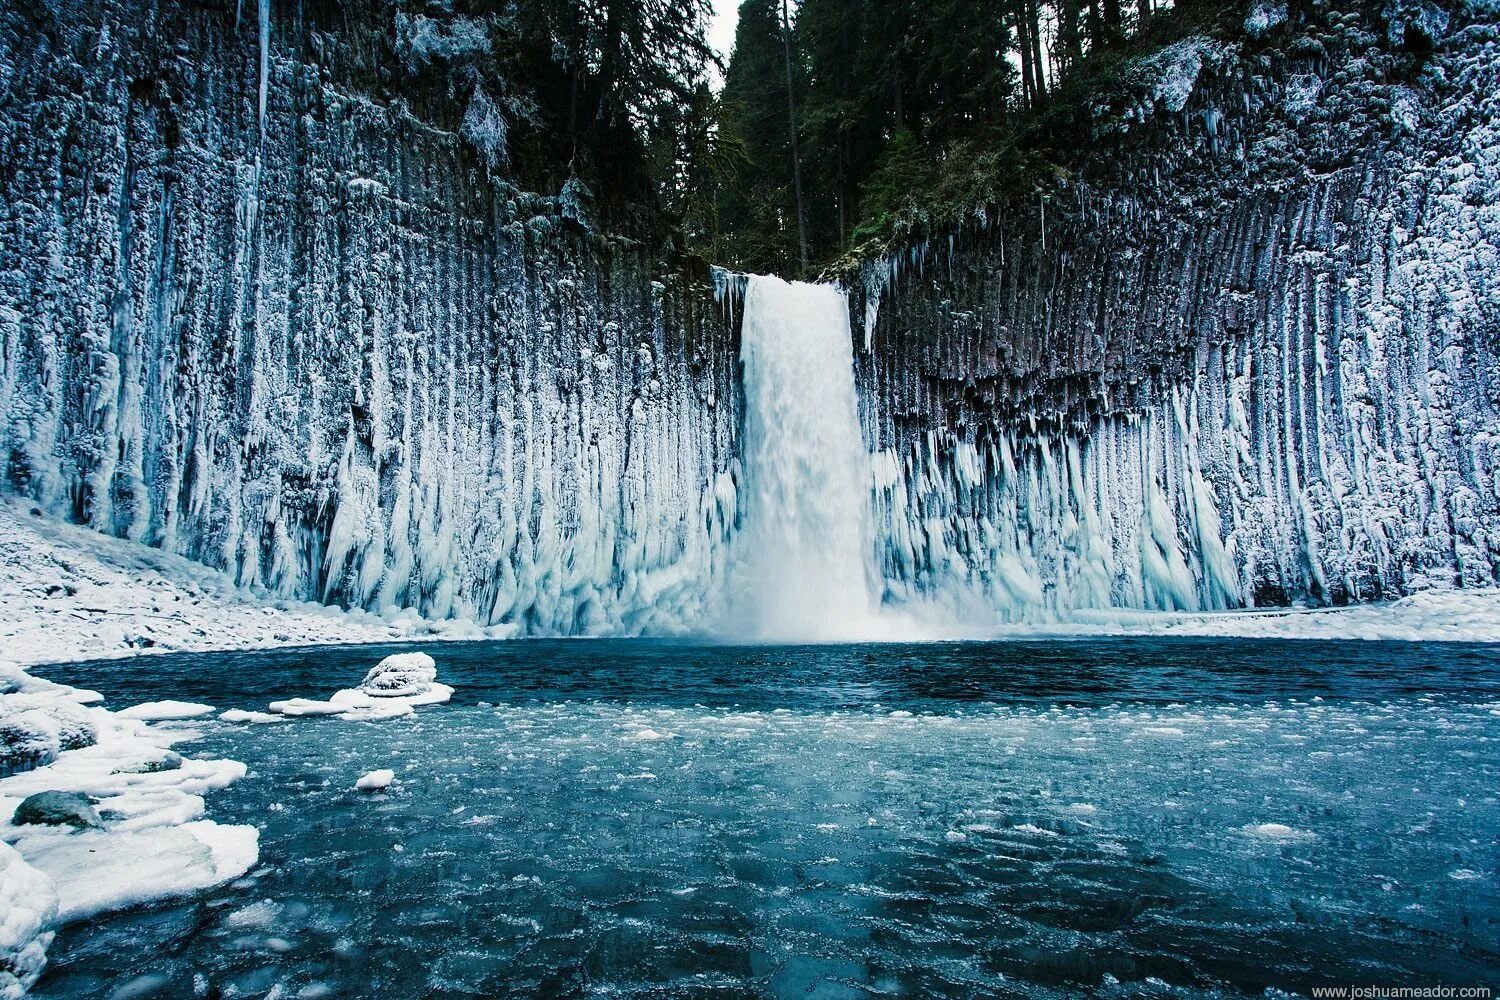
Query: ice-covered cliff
[[1244, 353], [261, 307], [256, 311]]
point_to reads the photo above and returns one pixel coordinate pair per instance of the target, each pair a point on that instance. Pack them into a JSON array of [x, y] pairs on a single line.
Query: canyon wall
[[262, 306], [255, 312], [1243, 352]]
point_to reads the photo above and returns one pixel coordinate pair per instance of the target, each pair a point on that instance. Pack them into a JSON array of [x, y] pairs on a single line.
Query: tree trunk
[[791, 110], [1034, 24], [1112, 19], [1068, 41], [1024, 50]]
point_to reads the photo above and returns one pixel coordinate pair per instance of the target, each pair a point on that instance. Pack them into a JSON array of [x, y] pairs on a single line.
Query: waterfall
[[804, 567]]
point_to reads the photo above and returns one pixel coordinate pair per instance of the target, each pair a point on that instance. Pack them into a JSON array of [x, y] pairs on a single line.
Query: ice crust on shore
[[67, 593], [154, 842]]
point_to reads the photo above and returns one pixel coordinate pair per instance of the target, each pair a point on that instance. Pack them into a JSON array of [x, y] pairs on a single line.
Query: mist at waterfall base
[[639, 818], [804, 569]]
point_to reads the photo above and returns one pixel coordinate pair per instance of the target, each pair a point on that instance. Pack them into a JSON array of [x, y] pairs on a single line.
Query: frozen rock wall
[[1245, 353], [253, 312]]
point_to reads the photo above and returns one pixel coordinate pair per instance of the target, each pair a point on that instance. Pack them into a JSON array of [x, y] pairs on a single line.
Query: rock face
[[254, 312], [57, 809], [1245, 354]]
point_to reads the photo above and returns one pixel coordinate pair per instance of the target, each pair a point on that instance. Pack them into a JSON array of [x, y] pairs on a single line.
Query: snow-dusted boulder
[[404, 675], [28, 908], [392, 689], [35, 728], [57, 809]]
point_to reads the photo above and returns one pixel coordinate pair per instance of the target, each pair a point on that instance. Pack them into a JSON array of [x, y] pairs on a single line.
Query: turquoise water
[[633, 818]]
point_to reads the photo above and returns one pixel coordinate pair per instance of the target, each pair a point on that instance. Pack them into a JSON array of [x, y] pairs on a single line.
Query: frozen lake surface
[[636, 818]]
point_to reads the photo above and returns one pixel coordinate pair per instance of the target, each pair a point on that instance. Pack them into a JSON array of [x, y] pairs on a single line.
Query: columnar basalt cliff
[[253, 311], [266, 302], [1244, 353]]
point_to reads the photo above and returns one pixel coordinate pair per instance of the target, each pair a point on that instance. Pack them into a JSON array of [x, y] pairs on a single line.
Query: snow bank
[[28, 908], [152, 841], [67, 593]]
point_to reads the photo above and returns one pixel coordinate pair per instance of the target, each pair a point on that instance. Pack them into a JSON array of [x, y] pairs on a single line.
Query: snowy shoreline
[[98, 813], [69, 594]]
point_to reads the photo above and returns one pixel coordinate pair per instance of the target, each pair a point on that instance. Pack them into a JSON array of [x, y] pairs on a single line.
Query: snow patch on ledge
[[68, 593]]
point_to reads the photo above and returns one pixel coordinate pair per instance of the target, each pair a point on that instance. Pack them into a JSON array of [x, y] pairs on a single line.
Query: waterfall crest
[[804, 569]]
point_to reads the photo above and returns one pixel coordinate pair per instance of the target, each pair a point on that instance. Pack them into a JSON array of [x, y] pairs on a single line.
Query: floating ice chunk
[[307, 706], [28, 907], [376, 781], [1276, 831], [1033, 830], [648, 736], [376, 711], [165, 711], [252, 718], [391, 689], [403, 675], [262, 915]]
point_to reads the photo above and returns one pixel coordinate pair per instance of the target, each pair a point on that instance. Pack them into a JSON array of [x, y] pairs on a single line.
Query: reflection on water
[[1182, 817]]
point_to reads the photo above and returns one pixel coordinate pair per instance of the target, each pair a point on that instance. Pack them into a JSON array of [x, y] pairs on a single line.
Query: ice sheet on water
[[165, 711]]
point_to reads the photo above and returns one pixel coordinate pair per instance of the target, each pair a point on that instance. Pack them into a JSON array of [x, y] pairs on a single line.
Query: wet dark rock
[[58, 809]]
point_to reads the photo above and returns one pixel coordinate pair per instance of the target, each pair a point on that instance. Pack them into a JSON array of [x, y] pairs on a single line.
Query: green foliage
[[914, 113]]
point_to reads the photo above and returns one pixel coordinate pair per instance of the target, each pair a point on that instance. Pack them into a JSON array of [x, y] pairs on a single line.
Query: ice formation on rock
[[28, 908], [393, 689], [251, 315], [1206, 375], [106, 816], [1242, 355]]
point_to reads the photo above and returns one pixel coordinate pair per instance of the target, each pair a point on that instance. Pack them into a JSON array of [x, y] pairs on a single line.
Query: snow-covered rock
[[392, 689], [403, 675], [109, 816]]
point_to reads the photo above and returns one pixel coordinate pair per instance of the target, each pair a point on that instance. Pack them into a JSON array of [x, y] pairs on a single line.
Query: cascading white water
[[804, 568]]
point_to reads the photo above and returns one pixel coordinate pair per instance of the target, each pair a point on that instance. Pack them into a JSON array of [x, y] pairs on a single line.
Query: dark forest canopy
[[899, 113], [841, 123], [604, 102]]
